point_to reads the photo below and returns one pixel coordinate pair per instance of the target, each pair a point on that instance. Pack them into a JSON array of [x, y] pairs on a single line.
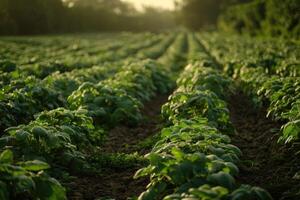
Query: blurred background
[[253, 17]]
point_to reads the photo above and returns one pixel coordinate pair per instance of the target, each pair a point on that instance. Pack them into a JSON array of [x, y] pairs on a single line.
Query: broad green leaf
[[222, 179], [261, 193], [34, 165], [6, 156]]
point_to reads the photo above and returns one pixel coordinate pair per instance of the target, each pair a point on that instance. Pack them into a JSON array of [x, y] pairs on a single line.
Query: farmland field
[[181, 115]]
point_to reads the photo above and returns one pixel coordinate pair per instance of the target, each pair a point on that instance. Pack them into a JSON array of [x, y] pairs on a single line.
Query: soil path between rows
[[119, 183], [265, 163]]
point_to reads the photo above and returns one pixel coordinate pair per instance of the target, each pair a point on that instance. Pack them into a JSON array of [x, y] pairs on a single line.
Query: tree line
[[58, 16], [252, 17]]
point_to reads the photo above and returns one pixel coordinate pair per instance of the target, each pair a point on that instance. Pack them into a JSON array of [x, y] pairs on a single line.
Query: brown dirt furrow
[[117, 182], [124, 138], [110, 185], [265, 163]]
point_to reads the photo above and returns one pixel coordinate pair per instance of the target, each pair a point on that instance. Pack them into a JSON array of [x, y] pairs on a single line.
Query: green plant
[[57, 136], [107, 105], [27, 180], [198, 103]]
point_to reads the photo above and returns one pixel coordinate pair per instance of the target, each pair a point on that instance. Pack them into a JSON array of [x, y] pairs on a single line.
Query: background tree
[[57, 16], [263, 17], [199, 14]]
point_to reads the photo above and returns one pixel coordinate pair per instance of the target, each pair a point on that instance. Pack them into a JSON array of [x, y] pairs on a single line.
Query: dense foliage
[[27, 179], [263, 17], [59, 115], [251, 17], [62, 97], [193, 158]]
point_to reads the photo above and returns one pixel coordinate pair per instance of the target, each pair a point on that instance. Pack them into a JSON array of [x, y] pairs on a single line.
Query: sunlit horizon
[[166, 4]]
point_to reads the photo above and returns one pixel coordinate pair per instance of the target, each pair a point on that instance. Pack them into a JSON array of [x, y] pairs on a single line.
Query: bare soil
[[119, 183], [124, 139], [265, 163]]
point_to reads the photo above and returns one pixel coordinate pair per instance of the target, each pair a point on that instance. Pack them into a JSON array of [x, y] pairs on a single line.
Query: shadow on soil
[[265, 163]]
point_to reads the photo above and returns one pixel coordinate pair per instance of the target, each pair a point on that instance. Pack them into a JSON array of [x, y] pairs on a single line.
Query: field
[[147, 116]]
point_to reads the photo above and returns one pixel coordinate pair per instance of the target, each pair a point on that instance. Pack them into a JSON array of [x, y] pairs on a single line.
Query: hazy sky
[[169, 4]]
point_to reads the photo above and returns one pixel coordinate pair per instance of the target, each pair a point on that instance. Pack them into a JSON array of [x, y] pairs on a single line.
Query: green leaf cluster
[[27, 179]]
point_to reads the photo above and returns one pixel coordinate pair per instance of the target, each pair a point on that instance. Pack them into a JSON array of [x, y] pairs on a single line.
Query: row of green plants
[[22, 96], [196, 51], [269, 73], [47, 55], [12, 70], [70, 60], [156, 51], [119, 98], [27, 180], [280, 94], [60, 137], [66, 83], [276, 56], [194, 158], [40, 60], [175, 57], [65, 138]]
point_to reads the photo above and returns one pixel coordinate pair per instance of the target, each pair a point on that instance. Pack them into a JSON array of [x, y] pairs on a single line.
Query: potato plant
[[194, 158], [27, 179]]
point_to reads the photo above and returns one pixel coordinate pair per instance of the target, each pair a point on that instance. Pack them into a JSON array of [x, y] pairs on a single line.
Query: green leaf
[[34, 165], [39, 131], [261, 193], [291, 131], [143, 172], [49, 189], [22, 135], [58, 192], [222, 179], [43, 189], [232, 167], [177, 153], [25, 183], [248, 192], [6, 156]]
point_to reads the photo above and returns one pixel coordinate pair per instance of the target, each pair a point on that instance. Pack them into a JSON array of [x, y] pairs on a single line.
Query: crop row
[[269, 72], [119, 98], [62, 137], [55, 48], [194, 158], [281, 94], [76, 58], [280, 57], [156, 51], [175, 56], [22, 97], [10, 72]]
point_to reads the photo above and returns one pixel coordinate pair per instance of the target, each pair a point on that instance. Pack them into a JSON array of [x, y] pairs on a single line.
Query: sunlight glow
[[166, 4]]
